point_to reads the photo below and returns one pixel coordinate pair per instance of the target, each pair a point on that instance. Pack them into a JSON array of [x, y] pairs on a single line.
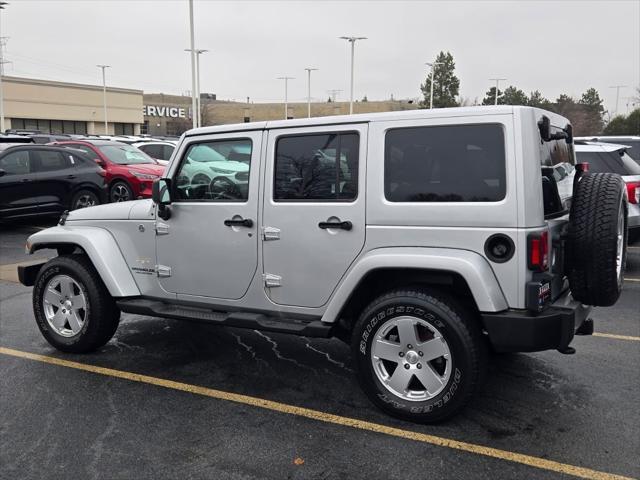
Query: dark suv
[[42, 180]]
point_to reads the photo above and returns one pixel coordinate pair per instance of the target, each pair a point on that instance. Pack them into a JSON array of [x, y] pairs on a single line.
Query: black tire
[[101, 317], [457, 326], [598, 216], [83, 199], [120, 191]]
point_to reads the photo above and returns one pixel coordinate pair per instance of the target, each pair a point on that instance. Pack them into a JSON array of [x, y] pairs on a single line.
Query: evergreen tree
[[446, 85], [490, 97]]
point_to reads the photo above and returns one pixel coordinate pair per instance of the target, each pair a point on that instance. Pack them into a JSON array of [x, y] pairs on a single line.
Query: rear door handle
[[25, 180], [346, 225], [240, 222], [71, 176]]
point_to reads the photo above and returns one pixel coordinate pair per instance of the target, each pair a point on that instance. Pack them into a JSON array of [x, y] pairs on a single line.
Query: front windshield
[[125, 154]]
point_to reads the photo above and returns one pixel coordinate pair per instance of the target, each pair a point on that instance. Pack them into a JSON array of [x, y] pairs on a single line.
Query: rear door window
[[16, 163], [603, 162], [51, 161], [461, 163]]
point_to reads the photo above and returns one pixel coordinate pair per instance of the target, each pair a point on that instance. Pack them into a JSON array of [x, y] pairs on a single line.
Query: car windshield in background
[[125, 154], [609, 162]]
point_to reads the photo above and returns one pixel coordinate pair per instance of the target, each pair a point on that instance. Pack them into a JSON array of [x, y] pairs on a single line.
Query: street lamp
[[198, 53], [2, 4], [617, 87], [309, 70], [497, 80], [104, 96], [194, 105], [433, 68], [286, 97], [352, 40]]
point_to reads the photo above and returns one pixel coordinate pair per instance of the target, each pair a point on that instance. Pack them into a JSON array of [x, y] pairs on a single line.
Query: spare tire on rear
[[596, 247]]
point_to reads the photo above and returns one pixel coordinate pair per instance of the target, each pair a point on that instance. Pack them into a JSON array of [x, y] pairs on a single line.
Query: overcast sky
[[554, 46]]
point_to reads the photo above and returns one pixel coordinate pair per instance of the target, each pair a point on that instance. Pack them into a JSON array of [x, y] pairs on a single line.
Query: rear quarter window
[[461, 163]]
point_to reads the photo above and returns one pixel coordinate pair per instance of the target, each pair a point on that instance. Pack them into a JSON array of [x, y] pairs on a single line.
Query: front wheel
[[73, 308], [419, 354], [120, 192], [83, 199]]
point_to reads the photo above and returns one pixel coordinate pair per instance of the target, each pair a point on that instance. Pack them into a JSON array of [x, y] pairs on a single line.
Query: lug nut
[[419, 365], [420, 353], [401, 354], [409, 347], [406, 366]]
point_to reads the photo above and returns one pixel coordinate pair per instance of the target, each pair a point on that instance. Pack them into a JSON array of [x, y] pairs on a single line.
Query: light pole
[[309, 70], [352, 40], [433, 69], [497, 80], [617, 87], [2, 4], [194, 105], [286, 95], [198, 53], [104, 97]]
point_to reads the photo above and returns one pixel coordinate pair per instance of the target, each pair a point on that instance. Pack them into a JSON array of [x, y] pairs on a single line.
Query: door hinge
[[271, 280], [270, 233], [163, 271], [162, 228]]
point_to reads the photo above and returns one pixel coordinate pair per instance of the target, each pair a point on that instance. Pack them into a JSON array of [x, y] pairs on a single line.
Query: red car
[[130, 171]]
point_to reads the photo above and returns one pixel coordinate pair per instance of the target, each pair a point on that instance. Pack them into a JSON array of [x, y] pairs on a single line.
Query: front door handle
[[346, 225], [240, 222], [25, 180], [71, 176]]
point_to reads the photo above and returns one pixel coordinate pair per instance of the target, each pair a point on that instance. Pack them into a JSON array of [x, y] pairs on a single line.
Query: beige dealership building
[[72, 108], [61, 107]]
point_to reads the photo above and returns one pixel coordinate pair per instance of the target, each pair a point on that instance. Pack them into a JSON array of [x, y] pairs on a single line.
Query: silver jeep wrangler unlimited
[[422, 238]]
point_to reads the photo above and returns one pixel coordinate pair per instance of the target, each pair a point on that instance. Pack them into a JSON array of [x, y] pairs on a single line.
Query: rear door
[[56, 177], [314, 211], [18, 187]]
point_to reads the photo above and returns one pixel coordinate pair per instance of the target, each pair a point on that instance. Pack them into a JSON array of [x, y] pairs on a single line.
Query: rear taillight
[[633, 192], [538, 249]]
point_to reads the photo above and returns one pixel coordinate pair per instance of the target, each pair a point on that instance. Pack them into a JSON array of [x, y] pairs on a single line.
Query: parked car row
[[71, 173]]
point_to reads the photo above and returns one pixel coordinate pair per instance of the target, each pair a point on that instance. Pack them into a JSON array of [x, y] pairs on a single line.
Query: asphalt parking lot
[[169, 399]]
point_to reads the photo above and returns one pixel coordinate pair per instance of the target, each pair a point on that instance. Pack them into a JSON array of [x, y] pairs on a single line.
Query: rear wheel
[[419, 355], [73, 309], [597, 239]]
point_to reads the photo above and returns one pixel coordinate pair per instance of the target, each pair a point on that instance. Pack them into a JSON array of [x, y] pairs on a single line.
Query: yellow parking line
[[520, 458], [630, 279], [617, 337]]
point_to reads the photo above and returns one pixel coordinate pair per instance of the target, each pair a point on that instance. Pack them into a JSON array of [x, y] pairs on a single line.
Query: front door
[[314, 211], [209, 246]]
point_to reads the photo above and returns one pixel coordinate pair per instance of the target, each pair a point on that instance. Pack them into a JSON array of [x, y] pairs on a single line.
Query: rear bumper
[[522, 331]]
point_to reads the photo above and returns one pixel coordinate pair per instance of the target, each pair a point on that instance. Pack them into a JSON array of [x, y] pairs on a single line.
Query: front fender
[[101, 248], [472, 267]]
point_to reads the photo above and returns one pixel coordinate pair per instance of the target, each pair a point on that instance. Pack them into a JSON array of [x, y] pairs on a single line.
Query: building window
[[123, 128], [49, 126], [144, 128], [247, 119]]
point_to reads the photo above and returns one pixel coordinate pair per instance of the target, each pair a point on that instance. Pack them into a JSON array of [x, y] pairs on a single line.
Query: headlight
[[143, 176], [221, 171]]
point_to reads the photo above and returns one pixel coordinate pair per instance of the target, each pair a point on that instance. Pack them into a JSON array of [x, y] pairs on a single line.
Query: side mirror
[[99, 161], [2, 172], [544, 125], [161, 195], [161, 191]]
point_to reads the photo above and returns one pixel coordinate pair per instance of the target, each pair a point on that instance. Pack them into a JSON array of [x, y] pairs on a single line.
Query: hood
[[149, 168], [133, 210]]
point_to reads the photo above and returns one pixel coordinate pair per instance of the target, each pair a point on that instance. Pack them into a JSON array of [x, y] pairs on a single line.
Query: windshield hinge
[[162, 228], [270, 233], [163, 271], [271, 280]]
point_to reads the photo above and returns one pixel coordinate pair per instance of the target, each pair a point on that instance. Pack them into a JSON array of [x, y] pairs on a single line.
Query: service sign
[[158, 111]]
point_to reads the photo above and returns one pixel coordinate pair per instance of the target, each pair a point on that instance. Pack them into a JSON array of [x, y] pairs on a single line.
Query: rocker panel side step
[[255, 321]]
